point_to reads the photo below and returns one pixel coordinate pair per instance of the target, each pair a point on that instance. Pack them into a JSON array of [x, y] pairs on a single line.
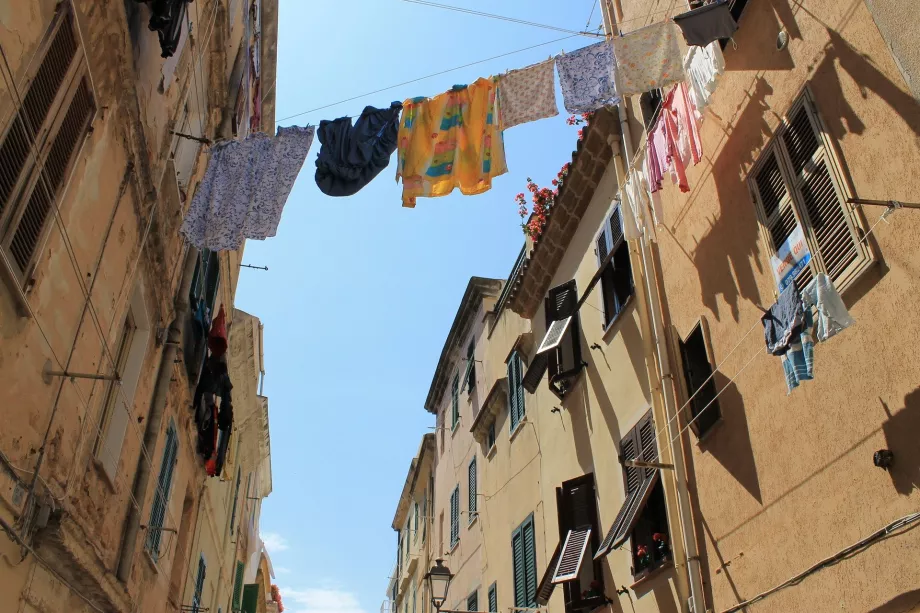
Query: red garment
[[210, 466], [217, 339]]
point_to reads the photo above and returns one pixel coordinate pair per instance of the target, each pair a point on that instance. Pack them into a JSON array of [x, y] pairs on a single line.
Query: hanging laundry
[[704, 66], [833, 316], [166, 19], [450, 141], [528, 94], [351, 156], [588, 78], [683, 130], [217, 339], [648, 59], [636, 192], [707, 24], [657, 154], [799, 359], [654, 196], [245, 188], [783, 322]]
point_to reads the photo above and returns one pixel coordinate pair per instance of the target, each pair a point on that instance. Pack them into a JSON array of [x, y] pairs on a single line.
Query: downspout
[[665, 376], [155, 418]]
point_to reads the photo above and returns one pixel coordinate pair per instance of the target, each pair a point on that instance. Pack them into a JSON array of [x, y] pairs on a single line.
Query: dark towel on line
[[782, 324], [351, 156], [706, 24]]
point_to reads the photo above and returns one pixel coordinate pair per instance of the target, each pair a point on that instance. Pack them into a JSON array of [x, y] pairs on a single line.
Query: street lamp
[[438, 579]]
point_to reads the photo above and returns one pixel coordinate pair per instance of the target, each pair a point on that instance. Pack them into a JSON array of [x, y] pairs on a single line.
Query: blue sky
[[360, 292]]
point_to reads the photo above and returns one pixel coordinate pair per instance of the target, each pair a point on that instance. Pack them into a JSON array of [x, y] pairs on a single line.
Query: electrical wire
[[895, 528], [436, 74], [591, 15], [503, 18]]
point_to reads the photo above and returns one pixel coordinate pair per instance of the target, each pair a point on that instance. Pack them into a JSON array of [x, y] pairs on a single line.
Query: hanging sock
[[450, 141], [833, 316], [528, 94], [707, 24], [245, 188], [587, 78], [648, 59], [704, 66], [352, 156]]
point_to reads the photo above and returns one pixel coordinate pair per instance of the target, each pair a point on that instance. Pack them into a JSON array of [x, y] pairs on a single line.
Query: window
[[161, 495], [414, 596], [490, 439], [469, 378], [515, 391], [236, 496], [238, 587], [650, 104], [199, 584], [407, 539], [493, 598], [471, 502], [455, 517], [643, 517], [415, 514], [524, 563], [799, 193], [472, 601], [701, 385], [399, 548], [41, 141], [425, 515], [616, 276], [202, 298], [560, 350], [582, 577], [455, 403], [185, 151]]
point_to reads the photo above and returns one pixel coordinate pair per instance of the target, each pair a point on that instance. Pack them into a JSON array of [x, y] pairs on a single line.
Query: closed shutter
[[530, 561], [250, 598], [415, 514], [472, 602], [471, 502], [517, 561], [455, 402], [493, 598], [238, 587], [424, 516], [199, 582], [515, 390], [547, 586], [39, 147], [161, 495], [455, 516], [236, 496]]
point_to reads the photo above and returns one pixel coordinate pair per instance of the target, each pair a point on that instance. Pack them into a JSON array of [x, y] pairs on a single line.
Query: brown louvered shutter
[[829, 226], [38, 149], [572, 554], [546, 587]]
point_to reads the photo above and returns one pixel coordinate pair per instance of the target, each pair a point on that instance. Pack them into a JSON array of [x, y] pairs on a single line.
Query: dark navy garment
[[707, 24], [351, 156], [783, 323]]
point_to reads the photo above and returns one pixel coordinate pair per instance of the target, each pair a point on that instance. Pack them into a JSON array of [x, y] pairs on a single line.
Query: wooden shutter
[[530, 561], [519, 384], [493, 598], [238, 586], [573, 552], [250, 598], [547, 585], [517, 561], [472, 602], [424, 516], [471, 502], [199, 581], [455, 401], [536, 370], [513, 384], [773, 194], [161, 495], [455, 516], [236, 496]]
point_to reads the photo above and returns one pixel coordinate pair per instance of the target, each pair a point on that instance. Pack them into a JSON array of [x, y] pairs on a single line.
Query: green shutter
[[512, 395], [530, 561], [414, 595], [493, 598], [472, 602], [250, 598], [455, 402], [236, 495], [237, 587], [517, 559], [519, 384], [199, 581], [471, 503], [161, 495], [455, 516], [415, 537]]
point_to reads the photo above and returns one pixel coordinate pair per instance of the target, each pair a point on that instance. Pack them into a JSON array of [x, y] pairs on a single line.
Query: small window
[[650, 104], [238, 587], [524, 563], [199, 583], [616, 277], [515, 393], [469, 378], [472, 601], [455, 403], [162, 492], [643, 517], [493, 598], [800, 197], [400, 535], [471, 502], [455, 517], [490, 438], [703, 410], [236, 498], [424, 515], [415, 515]]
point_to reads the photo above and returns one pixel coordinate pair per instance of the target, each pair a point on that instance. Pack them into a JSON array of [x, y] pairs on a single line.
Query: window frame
[[200, 574], [530, 583], [572, 337], [614, 243], [473, 598], [455, 403], [493, 597], [792, 183], [454, 518], [572, 589], [701, 428], [159, 508]]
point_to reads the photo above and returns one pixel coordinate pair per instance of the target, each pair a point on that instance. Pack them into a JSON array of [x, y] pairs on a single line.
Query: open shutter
[[238, 587], [519, 384], [573, 552], [513, 384], [455, 402], [536, 370], [831, 231], [547, 585], [455, 516]]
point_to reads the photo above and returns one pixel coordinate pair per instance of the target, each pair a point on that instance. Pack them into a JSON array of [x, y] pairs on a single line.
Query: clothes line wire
[[383, 89], [503, 18]]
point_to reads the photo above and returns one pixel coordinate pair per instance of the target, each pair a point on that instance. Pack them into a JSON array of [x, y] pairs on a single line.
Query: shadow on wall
[[901, 430], [908, 602], [723, 256], [756, 38], [730, 442]]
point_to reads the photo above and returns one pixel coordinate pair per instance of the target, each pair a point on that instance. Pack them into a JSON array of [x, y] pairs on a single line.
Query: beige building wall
[[784, 481]]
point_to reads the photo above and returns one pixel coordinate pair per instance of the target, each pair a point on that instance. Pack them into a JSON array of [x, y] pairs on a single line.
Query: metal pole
[[897, 204]]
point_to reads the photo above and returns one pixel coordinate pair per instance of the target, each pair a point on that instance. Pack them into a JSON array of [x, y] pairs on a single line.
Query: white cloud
[[281, 570], [316, 600], [274, 542]]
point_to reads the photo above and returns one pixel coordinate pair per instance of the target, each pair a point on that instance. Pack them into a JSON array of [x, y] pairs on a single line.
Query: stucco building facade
[[102, 485]]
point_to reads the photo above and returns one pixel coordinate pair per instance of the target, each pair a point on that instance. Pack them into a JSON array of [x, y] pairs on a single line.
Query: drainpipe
[[665, 376], [155, 418]]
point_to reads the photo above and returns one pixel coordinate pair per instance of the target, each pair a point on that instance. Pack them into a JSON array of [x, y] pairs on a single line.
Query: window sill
[[103, 475], [650, 573], [491, 451], [151, 562], [454, 428], [474, 517], [618, 317], [453, 548], [517, 428]]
